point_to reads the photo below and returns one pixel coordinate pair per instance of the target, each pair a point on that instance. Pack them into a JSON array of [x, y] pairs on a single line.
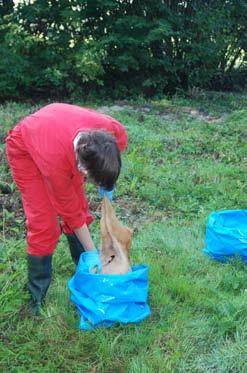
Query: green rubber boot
[[75, 247], [39, 279]]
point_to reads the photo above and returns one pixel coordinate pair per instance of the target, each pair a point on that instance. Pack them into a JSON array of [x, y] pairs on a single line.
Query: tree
[[121, 46]]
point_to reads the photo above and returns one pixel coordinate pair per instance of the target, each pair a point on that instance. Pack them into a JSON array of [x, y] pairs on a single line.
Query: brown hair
[[98, 152]]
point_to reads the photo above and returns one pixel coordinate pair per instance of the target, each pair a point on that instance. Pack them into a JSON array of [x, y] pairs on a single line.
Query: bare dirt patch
[[168, 113]]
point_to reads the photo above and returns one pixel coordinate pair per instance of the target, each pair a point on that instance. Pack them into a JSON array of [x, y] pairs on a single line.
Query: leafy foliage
[[128, 47]]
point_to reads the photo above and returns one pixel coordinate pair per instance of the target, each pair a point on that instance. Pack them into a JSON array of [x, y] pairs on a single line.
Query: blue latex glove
[[103, 192], [92, 261]]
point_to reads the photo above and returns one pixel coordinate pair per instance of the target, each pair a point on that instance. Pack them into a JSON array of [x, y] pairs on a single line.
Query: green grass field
[[186, 158]]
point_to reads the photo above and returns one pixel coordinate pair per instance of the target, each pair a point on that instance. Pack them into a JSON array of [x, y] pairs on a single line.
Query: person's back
[[49, 132]]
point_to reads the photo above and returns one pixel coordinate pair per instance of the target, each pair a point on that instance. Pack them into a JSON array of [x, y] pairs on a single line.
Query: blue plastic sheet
[[226, 235], [103, 300]]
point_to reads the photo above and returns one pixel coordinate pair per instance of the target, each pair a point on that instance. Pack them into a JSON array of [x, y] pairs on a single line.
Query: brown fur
[[115, 242]]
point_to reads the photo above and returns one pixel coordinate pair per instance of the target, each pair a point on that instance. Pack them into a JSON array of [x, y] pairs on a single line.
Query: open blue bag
[[226, 235], [103, 300]]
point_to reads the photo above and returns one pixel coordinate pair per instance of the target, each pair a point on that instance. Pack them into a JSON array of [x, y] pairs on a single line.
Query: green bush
[[64, 48]]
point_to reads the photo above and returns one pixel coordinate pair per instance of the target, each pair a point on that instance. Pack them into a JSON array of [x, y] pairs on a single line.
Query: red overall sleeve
[[65, 199]]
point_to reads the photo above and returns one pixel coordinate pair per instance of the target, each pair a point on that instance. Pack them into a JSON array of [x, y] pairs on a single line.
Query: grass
[[181, 164]]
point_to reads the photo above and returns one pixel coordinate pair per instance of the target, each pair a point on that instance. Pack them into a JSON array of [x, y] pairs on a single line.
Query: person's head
[[97, 152]]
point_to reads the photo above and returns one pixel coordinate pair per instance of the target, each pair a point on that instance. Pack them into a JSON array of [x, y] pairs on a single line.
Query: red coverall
[[41, 154]]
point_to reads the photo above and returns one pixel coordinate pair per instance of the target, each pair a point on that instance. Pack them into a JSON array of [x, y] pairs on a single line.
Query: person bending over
[[51, 153]]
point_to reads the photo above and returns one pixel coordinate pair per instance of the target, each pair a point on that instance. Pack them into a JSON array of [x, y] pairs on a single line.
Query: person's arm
[[84, 237], [64, 196]]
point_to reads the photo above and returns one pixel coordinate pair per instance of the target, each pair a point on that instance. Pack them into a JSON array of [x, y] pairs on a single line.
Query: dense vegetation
[[118, 47], [186, 158]]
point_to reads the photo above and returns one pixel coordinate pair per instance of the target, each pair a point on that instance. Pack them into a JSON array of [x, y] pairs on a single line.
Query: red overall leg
[[41, 220]]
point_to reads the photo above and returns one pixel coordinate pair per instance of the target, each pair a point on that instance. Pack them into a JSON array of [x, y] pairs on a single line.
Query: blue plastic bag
[[103, 300], [226, 235]]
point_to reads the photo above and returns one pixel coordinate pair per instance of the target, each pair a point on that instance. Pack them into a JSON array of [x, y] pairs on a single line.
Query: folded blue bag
[[103, 300], [226, 235]]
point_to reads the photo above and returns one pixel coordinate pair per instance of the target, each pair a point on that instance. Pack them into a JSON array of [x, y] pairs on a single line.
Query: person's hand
[[108, 193], [92, 261]]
